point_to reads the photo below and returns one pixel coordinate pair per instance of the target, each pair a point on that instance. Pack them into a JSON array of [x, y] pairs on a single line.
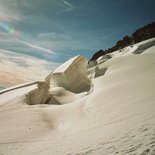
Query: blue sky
[[56, 30]]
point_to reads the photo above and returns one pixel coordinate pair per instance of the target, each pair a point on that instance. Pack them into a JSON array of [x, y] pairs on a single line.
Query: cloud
[[66, 4], [16, 10], [44, 27], [71, 40], [53, 36], [48, 51], [37, 47], [17, 68], [6, 15]]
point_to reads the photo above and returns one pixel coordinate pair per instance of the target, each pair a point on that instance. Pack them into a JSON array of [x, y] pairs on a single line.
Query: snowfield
[[106, 108]]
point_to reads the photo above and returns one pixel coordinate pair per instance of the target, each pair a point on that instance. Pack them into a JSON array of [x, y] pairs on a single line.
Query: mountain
[[107, 109], [139, 35]]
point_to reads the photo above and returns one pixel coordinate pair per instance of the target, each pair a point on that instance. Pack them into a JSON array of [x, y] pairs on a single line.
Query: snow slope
[[115, 116]]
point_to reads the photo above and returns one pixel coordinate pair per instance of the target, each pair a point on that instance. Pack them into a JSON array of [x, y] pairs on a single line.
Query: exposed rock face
[[97, 55], [139, 35], [123, 43]]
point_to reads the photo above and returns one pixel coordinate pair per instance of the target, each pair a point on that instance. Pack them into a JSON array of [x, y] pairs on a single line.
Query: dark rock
[[144, 33], [139, 35], [97, 55]]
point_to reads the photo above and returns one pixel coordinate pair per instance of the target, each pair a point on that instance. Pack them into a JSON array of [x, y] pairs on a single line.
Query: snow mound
[[71, 75], [103, 58], [144, 46], [66, 84], [138, 48], [39, 95], [92, 63]]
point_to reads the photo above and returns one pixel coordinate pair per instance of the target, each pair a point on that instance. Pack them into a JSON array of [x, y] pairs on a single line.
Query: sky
[[56, 30]]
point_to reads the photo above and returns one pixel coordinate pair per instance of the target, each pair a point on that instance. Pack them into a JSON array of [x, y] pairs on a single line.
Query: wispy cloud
[[41, 48], [12, 11], [67, 5], [25, 66], [48, 27], [36, 47], [53, 36], [6, 15]]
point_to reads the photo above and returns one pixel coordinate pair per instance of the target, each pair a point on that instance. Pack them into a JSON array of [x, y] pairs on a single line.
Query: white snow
[[116, 115], [71, 75]]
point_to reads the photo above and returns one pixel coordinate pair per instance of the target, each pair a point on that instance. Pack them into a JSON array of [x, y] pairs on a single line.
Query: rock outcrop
[[144, 33], [139, 35], [97, 55]]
